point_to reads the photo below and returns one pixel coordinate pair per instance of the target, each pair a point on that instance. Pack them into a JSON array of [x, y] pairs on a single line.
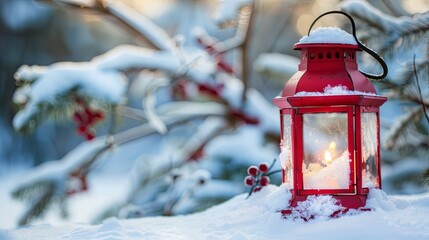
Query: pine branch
[[425, 177], [384, 22], [420, 90], [38, 198], [401, 127], [393, 29]]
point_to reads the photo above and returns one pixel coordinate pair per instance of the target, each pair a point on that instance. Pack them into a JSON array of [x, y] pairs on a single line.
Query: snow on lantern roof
[[336, 90], [328, 35]]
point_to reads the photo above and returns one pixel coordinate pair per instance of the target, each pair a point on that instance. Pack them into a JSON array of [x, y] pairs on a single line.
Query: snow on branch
[[227, 11], [48, 88], [145, 29], [386, 23], [193, 63], [172, 114], [102, 78], [148, 173], [49, 183], [57, 171]]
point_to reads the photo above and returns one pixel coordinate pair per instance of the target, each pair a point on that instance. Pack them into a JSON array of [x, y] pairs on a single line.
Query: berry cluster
[[86, 118], [259, 176], [221, 64]]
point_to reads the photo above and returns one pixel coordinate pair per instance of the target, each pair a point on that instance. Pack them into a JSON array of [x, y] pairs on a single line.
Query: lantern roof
[[328, 58], [332, 35]]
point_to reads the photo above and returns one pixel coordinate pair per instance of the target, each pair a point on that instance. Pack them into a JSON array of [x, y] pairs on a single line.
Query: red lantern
[[329, 114]]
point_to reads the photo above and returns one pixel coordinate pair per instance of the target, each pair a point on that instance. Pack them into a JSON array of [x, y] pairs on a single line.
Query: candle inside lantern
[[331, 151], [328, 157], [326, 163], [332, 174]]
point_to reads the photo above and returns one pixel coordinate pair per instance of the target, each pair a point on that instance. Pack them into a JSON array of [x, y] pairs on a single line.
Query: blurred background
[[43, 33]]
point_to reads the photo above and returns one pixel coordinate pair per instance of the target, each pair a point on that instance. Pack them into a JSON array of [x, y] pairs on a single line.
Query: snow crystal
[[328, 35], [336, 90], [316, 207]]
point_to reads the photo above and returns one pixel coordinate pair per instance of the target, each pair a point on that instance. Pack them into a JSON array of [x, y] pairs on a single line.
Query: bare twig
[[245, 61]]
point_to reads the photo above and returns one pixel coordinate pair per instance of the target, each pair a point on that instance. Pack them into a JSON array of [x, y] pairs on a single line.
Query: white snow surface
[[393, 217], [328, 35], [336, 90]]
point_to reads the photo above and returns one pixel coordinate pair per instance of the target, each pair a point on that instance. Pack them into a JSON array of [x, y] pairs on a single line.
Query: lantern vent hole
[[311, 56], [329, 55], [320, 55], [337, 55]]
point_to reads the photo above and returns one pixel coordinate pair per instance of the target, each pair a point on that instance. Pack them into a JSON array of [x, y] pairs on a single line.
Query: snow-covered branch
[[393, 137], [49, 183], [193, 63], [148, 173], [395, 26], [102, 78], [47, 89], [154, 36]]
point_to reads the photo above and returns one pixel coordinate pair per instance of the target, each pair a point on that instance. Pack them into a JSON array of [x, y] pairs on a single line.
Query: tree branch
[[137, 24]]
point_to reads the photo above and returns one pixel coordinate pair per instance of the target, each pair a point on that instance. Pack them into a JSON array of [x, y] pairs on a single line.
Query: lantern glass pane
[[326, 163], [369, 150], [286, 151]]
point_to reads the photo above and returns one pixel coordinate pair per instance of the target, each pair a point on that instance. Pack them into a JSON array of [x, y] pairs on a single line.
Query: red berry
[[81, 129], [263, 167], [89, 136], [249, 180], [257, 189], [252, 171], [264, 181]]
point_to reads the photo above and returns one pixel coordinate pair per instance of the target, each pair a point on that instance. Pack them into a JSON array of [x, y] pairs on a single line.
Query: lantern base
[[356, 202]]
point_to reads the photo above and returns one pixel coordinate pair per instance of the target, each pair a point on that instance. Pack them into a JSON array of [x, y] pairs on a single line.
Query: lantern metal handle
[[363, 47]]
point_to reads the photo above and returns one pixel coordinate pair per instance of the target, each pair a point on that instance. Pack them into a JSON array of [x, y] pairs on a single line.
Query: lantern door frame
[[297, 118], [354, 106]]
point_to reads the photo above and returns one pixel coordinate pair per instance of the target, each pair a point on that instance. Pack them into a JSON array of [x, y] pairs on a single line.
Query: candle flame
[[328, 157], [332, 146]]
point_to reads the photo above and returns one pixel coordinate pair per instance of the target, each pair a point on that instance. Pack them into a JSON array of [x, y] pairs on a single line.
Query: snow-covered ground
[[394, 217]]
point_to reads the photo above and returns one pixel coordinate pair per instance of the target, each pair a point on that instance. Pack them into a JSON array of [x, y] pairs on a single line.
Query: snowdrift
[[394, 217]]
